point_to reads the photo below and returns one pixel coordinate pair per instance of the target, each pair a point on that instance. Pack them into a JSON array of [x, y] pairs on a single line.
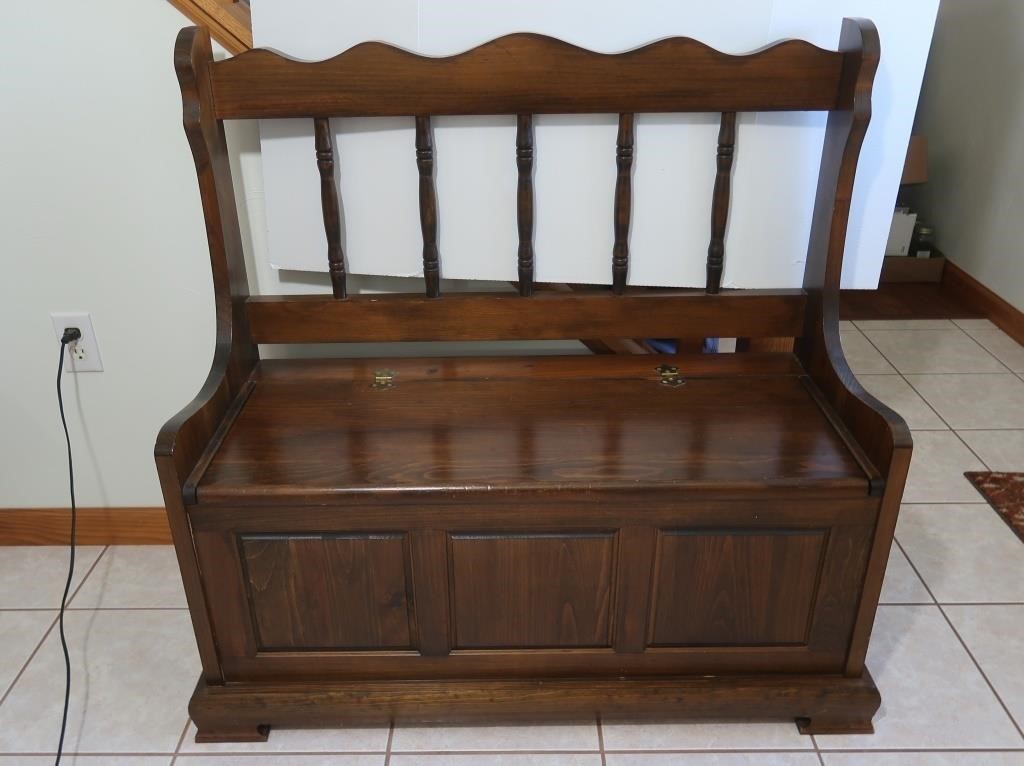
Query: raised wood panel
[[532, 591], [735, 587], [328, 591]]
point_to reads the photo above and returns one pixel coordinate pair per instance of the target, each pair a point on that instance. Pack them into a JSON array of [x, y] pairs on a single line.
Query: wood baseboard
[[973, 294], [96, 526]]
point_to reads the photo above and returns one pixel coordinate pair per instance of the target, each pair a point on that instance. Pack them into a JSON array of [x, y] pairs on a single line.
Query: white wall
[[972, 113], [99, 211], [674, 167]]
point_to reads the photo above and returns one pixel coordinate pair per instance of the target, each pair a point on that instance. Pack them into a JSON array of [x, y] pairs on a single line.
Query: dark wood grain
[[847, 704], [183, 439], [881, 433], [324, 139], [387, 439], [720, 201], [635, 565], [480, 538], [328, 591], [431, 591], [735, 587], [96, 526], [623, 202], [532, 591], [434, 517], [546, 316], [524, 201], [527, 74], [428, 205]]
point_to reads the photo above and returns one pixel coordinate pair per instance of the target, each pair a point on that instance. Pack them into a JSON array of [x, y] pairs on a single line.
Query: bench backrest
[[525, 75]]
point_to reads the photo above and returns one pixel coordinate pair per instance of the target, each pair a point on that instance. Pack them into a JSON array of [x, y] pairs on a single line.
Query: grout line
[[96, 609], [947, 329], [696, 750], [47, 632], [981, 346], [181, 739], [881, 751], [86, 577], [950, 502], [906, 603], [957, 327], [600, 741], [929, 405], [963, 643], [958, 436], [961, 373], [130, 609], [692, 751], [510, 752], [31, 656], [391, 739], [1013, 428], [817, 750]]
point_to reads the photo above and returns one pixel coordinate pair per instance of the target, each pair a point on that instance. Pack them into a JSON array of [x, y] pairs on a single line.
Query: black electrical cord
[[71, 334]]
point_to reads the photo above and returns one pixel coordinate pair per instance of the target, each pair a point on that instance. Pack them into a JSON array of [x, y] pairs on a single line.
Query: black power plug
[[70, 335]]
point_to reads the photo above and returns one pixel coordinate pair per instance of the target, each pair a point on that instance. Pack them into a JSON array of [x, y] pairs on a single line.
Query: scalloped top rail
[[528, 74]]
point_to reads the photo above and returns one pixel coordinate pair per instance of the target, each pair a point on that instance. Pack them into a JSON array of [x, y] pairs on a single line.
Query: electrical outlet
[[83, 355]]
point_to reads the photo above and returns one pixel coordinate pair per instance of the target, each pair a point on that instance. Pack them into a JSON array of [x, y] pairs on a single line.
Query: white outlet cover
[[87, 344]]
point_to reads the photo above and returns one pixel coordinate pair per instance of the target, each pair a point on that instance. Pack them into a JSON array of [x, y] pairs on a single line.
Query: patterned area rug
[[1005, 493]]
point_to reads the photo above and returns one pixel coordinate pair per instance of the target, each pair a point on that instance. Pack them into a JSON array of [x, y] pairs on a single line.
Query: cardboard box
[[900, 232], [915, 168]]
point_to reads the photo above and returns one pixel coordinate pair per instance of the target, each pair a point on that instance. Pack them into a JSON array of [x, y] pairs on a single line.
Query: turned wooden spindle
[[720, 201], [524, 201], [428, 206], [623, 201], [324, 140]]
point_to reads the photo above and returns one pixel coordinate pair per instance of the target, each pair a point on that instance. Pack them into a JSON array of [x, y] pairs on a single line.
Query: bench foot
[[221, 733], [835, 725]]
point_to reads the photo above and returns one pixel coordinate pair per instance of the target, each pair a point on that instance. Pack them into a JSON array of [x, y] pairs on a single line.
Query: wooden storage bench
[[474, 539]]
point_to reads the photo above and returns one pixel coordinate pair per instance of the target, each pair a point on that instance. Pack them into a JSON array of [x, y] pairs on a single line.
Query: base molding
[[820, 704], [96, 526], [975, 296]]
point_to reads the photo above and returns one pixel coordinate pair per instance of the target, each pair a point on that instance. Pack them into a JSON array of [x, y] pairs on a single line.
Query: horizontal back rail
[[544, 316], [527, 74]]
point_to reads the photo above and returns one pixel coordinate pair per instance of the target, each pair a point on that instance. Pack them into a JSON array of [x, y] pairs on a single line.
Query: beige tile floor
[[947, 650]]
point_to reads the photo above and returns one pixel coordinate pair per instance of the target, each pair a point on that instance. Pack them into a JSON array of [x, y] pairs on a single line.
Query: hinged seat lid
[[312, 430]]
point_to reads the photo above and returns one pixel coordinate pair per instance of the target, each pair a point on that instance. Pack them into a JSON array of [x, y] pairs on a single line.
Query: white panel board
[[775, 169]]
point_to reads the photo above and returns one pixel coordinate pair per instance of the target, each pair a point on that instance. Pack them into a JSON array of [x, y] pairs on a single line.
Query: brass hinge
[[383, 379], [669, 375]]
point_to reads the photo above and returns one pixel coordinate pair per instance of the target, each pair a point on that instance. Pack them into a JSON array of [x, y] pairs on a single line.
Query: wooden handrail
[[229, 21]]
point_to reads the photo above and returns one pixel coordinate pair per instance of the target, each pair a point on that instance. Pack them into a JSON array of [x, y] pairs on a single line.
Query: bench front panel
[[547, 589]]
